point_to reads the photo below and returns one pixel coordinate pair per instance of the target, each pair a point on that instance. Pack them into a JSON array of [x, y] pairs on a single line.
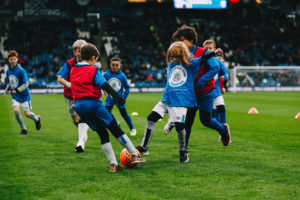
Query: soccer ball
[[126, 158]]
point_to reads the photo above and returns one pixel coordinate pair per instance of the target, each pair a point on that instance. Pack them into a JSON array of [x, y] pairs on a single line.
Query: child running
[[17, 83], [177, 97]]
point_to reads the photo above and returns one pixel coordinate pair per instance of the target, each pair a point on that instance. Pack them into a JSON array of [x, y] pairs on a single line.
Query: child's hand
[[14, 92], [223, 90]]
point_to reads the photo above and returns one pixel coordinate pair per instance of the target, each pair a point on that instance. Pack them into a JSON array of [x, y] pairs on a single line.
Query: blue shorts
[[92, 112], [206, 101], [112, 102]]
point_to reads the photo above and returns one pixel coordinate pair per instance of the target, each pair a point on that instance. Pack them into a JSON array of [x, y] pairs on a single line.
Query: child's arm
[[213, 70], [126, 86], [101, 82], [25, 84], [62, 75], [7, 84]]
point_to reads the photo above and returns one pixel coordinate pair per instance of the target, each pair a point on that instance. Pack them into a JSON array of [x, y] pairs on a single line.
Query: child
[[177, 97], [87, 82], [118, 81], [219, 112], [17, 83], [204, 85], [63, 77]]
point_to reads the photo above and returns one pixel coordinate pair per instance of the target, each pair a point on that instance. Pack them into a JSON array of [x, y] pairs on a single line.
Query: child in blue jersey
[[17, 83], [63, 77], [117, 80], [87, 82], [219, 105], [219, 112], [204, 89], [178, 95]]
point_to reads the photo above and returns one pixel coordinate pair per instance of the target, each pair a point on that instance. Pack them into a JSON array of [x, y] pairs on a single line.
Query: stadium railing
[[264, 78]]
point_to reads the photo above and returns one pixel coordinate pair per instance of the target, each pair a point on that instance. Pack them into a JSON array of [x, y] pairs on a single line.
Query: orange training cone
[[253, 111], [297, 116]]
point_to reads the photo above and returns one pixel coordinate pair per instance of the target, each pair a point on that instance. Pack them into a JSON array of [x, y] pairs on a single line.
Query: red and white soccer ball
[[126, 158]]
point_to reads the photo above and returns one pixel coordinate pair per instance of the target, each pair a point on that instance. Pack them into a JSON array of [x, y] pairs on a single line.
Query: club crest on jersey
[[13, 81], [115, 83], [178, 76]]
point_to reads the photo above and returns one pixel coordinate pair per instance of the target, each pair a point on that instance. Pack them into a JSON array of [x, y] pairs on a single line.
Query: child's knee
[[179, 126], [153, 117], [27, 113], [221, 108]]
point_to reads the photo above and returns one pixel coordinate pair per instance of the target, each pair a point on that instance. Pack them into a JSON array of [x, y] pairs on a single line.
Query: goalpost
[[264, 78]]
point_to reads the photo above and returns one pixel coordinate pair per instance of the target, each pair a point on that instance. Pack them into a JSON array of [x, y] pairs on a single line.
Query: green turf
[[262, 162]]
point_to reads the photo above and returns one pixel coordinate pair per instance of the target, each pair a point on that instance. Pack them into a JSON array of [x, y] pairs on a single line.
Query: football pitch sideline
[[262, 162]]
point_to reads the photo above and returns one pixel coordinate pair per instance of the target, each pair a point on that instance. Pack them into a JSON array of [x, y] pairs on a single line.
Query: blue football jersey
[[118, 82], [223, 72], [179, 91], [15, 78]]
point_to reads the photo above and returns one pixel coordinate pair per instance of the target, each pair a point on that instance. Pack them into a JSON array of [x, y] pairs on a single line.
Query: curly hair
[[186, 31]]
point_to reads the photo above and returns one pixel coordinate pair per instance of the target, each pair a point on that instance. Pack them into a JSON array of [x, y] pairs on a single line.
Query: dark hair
[[89, 50], [186, 31], [12, 53], [115, 59]]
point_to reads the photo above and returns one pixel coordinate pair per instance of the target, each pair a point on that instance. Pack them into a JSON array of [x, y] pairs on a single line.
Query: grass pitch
[[262, 162]]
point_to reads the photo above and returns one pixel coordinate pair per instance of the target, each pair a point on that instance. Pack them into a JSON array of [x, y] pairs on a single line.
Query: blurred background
[[260, 38]]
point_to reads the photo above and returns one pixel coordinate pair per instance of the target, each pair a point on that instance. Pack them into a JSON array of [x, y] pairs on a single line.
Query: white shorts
[[218, 101], [176, 114], [25, 105], [70, 106]]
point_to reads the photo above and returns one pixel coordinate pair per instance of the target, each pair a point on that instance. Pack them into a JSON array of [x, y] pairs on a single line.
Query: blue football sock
[[214, 124], [213, 114], [128, 121], [222, 117]]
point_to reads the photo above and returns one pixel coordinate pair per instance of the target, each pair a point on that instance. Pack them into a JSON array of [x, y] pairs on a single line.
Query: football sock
[[33, 116], [21, 121], [126, 142], [128, 121], [109, 152], [222, 117], [188, 130], [214, 124], [148, 134], [213, 114], [82, 134], [221, 114], [216, 115], [182, 140]]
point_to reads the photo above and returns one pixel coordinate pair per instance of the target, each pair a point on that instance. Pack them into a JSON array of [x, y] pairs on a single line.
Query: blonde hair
[[209, 42], [181, 50], [78, 43]]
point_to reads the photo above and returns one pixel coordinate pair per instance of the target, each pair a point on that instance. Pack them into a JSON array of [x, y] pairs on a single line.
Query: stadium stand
[[141, 37]]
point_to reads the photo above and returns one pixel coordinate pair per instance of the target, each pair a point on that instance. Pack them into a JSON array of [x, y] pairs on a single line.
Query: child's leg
[[221, 113], [106, 146], [36, 118], [82, 134], [126, 117], [19, 117], [206, 120], [190, 117], [178, 115], [157, 113], [122, 138]]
